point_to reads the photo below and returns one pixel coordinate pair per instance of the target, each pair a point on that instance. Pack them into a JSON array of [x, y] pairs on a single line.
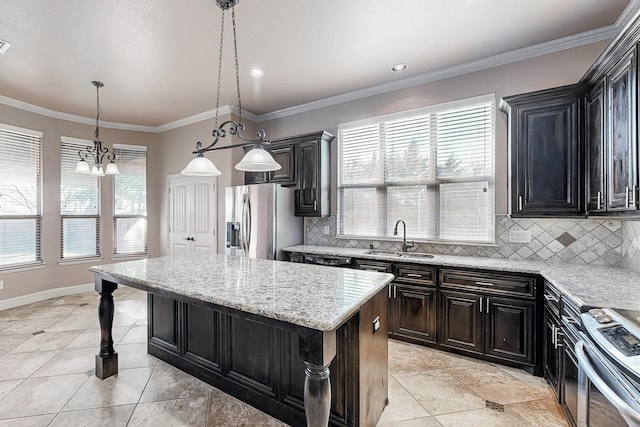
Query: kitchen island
[[270, 333]]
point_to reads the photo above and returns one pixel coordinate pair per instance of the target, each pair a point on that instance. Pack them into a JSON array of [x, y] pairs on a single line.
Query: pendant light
[[255, 160], [97, 153]]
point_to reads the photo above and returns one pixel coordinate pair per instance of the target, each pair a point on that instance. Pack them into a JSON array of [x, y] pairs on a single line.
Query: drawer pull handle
[[550, 298], [570, 321], [414, 275], [484, 284], [480, 305]]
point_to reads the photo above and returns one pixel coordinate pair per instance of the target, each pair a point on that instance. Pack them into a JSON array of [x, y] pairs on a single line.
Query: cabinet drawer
[[365, 264], [415, 275], [500, 284], [552, 298]]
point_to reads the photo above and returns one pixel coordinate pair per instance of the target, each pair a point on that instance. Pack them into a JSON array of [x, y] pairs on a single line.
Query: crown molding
[[576, 40]]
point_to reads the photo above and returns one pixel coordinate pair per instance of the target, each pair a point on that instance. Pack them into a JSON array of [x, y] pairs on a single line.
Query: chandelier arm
[[234, 129]]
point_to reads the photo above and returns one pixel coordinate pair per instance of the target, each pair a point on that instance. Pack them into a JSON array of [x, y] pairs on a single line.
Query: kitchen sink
[[398, 253]]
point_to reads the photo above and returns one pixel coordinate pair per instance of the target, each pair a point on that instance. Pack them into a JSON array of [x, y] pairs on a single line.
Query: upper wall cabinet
[[611, 138], [306, 165], [545, 160]]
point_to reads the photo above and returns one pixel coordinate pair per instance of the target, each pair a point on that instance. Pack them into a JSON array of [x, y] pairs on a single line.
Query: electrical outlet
[[326, 229], [1, 284], [519, 236]]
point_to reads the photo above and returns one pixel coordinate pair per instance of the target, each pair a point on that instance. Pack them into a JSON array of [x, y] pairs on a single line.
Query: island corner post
[[316, 348], [107, 358]]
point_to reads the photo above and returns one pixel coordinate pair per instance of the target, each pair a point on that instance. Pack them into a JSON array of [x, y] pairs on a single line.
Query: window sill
[[126, 257], [80, 261], [11, 270]]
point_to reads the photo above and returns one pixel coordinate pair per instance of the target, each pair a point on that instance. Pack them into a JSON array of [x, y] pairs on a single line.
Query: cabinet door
[[307, 193], [552, 350], [285, 157], [547, 155], [595, 141], [622, 160], [461, 321], [509, 329], [414, 315]]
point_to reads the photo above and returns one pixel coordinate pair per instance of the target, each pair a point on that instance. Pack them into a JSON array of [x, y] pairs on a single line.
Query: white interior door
[[192, 215]]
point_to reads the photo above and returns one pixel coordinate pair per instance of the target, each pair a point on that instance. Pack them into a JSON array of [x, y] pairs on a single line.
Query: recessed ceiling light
[[256, 72], [4, 46], [399, 67]]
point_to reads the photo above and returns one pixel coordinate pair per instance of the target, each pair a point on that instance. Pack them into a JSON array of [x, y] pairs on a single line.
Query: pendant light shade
[[83, 167], [96, 171], [112, 169], [201, 166], [258, 160]]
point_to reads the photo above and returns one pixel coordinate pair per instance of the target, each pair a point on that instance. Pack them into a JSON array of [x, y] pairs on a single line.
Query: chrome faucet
[[405, 245]]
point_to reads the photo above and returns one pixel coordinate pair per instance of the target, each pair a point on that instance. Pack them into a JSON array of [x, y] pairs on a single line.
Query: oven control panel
[[619, 337]]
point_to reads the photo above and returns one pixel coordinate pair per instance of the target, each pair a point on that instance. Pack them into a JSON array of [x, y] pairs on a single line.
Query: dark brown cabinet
[[412, 304], [546, 153], [622, 159], [611, 139], [595, 146], [570, 326], [552, 338], [306, 165], [313, 196], [491, 314]]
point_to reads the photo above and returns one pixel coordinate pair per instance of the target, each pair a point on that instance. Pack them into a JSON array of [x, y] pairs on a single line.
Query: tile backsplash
[[631, 245], [580, 241]]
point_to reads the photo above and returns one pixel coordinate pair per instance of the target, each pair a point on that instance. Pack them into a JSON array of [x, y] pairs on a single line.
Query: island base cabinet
[[257, 362]]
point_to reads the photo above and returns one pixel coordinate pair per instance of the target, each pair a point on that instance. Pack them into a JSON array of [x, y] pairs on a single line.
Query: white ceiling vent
[[4, 46]]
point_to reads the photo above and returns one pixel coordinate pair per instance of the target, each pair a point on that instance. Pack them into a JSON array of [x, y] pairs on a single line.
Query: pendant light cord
[[235, 53], [97, 133], [219, 69]]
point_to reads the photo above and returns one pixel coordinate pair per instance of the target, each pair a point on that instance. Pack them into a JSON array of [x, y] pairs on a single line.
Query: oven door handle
[[584, 366]]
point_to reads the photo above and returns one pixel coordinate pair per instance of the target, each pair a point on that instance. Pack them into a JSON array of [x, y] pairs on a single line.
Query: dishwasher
[[329, 260]]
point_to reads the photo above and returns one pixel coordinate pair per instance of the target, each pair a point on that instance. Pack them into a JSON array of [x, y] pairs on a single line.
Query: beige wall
[[557, 69], [170, 151], [54, 275]]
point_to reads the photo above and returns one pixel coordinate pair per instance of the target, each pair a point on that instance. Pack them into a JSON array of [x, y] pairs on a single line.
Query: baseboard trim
[[8, 303]]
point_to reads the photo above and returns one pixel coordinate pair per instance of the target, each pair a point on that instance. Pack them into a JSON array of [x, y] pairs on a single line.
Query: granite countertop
[[587, 286], [312, 296]]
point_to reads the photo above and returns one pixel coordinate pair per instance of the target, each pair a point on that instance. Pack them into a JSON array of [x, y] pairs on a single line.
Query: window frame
[[6, 130], [116, 217], [82, 143], [432, 183]]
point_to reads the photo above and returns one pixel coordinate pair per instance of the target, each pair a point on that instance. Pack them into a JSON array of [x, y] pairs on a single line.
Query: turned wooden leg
[[107, 358], [317, 395], [317, 349]]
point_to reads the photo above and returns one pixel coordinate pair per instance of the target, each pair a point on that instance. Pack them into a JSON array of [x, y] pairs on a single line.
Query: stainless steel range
[[609, 368]]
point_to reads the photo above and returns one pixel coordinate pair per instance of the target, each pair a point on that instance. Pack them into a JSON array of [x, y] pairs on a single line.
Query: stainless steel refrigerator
[[260, 221]]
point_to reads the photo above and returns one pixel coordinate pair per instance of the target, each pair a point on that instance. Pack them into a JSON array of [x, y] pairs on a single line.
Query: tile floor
[[46, 379]]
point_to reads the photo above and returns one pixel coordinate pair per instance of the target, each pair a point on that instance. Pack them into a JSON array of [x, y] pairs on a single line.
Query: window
[[20, 197], [130, 200], [431, 167], [79, 205]]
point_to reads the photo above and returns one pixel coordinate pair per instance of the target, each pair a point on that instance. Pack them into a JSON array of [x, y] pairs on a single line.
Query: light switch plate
[[1, 284], [326, 229], [519, 236]]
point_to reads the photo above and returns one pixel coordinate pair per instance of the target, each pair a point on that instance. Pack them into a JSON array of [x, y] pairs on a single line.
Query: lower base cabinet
[[461, 321], [257, 362], [412, 311]]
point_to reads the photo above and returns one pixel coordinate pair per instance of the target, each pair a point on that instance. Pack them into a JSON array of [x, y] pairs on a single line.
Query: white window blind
[[130, 200], [79, 205], [20, 197], [431, 167]]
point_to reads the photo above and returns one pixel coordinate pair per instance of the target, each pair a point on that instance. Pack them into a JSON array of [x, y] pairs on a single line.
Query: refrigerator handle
[[246, 222]]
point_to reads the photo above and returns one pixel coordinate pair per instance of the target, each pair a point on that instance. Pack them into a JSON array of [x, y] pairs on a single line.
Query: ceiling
[[158, 58]]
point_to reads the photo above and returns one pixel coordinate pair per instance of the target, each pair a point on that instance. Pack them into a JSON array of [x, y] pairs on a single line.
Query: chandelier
[[97, 153], [255, 160]]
